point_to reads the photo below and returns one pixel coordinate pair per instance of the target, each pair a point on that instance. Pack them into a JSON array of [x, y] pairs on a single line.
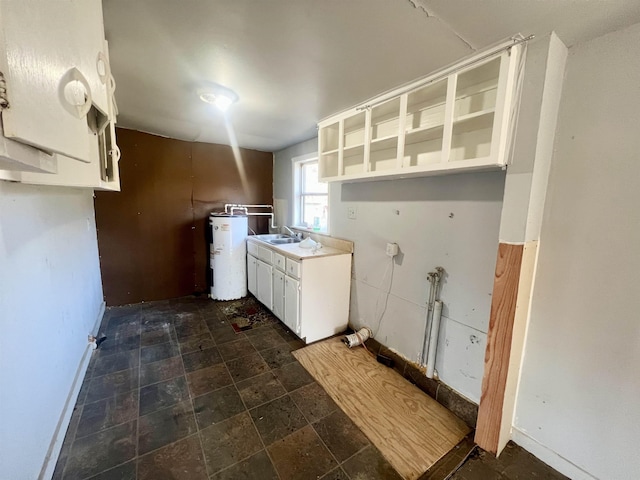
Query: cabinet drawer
[[293, 268], [278, 261], [252, 248], [265, 255]]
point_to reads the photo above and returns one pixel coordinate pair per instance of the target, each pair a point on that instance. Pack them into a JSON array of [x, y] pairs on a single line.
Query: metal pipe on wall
[[430, 340], [427, 323], [433, 338]]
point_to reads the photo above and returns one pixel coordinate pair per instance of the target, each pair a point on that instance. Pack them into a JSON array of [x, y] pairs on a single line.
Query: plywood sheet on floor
[[412, 430]]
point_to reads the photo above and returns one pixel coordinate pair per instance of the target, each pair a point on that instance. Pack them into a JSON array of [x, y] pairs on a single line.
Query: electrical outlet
[[392, 249], [351, 213]]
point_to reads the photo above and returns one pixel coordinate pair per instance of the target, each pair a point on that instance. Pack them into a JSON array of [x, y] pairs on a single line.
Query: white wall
[[465, 245], [578, 405], [450, 221], [283, 178], [50, 298]]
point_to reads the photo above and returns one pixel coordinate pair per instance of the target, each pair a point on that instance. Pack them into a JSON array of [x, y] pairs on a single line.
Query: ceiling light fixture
[[219, 96]]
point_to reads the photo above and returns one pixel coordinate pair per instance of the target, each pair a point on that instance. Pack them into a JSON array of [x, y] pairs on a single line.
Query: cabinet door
[[292, 304], [102, 172], [48, 73], [94, 60], [265, 284], [251, 274], [278, 294]]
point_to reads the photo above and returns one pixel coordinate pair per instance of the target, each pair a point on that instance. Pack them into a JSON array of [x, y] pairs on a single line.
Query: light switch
[[351, 213]]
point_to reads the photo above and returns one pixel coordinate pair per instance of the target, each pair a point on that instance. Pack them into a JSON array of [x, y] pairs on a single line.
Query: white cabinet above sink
[[450, 122]]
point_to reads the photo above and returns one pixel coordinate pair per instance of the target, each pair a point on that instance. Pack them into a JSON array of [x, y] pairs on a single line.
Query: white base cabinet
[[252, 279], [264, 277], [278, 294], [292, 304], [309, 293]]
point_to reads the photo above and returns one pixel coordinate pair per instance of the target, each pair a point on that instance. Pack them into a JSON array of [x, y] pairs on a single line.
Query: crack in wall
[[415, 4], [419, 5]]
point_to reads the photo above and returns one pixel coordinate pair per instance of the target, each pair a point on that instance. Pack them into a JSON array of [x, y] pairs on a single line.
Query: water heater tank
[[228, 256]]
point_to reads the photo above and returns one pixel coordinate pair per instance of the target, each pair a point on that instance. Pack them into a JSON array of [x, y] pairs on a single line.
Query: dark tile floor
[[175, 393], [468, 462]]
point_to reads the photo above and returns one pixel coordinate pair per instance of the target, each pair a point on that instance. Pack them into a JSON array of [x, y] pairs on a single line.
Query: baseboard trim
[[49, 464], [549, 457]]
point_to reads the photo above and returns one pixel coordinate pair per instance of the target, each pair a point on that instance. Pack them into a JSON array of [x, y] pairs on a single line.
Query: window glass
[[310, 183], [314, 211], [312, 199]]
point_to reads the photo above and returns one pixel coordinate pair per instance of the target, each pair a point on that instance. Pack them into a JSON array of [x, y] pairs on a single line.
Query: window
[[312, 197]]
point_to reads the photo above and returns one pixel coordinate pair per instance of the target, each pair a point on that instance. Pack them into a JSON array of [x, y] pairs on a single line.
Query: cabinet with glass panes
[[457, 121]]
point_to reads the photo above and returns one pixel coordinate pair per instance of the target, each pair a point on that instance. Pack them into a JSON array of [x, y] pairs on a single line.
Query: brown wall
[[153, 235]]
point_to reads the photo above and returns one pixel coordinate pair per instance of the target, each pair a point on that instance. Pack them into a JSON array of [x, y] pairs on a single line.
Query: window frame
[[298, 195]]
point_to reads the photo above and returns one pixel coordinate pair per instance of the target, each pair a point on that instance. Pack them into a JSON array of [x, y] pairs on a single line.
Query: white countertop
[[293, 250]]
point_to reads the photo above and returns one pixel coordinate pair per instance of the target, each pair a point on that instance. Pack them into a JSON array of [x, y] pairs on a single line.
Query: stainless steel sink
[[267, 237], [282, 241], [277, 238]]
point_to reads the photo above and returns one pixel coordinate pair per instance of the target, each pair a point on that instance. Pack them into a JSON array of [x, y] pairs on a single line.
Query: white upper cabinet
[[57, 57], [102, 171], [458, 121], [53, 62]]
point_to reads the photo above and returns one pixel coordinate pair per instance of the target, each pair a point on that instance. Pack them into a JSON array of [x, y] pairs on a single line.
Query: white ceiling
[[294, 62]]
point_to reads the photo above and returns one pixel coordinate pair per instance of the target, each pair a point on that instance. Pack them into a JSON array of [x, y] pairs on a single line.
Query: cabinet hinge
[[4, 99]]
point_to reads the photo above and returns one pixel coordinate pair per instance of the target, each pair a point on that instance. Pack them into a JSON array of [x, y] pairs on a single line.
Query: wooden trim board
[[497, 354], [411, 429]]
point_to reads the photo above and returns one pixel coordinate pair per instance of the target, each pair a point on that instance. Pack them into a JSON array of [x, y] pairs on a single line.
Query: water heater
[[228, 256]]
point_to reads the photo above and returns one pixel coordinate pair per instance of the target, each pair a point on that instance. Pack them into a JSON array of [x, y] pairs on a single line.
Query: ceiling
[[294, 62]]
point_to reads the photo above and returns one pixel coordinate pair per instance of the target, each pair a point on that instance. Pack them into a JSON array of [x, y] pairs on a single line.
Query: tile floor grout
[[255, 427]]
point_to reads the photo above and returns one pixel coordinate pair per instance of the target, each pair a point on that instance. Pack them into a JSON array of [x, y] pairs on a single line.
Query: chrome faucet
[[292, 233]]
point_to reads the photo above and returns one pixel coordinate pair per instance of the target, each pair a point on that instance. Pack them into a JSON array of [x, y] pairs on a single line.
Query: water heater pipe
[[230, 207], [433, 338]]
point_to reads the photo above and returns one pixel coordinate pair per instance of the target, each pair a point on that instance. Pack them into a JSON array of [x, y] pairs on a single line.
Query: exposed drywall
[[450, 221], [153, 235], [283, 177], [50, 298], [577, 404]]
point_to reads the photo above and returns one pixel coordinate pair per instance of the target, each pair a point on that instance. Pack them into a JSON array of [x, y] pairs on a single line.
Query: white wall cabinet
[[459, 122], [49, 63], [309, 293], [58, 127]]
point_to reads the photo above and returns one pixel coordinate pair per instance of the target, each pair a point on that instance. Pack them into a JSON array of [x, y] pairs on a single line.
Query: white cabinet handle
[[102, 67], [74, 93], [115, 153]]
